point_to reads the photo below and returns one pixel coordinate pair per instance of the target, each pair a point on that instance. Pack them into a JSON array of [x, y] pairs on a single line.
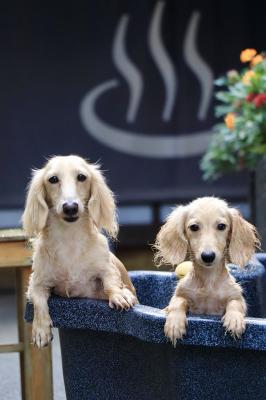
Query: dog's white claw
[[122, 300], [130, 298]]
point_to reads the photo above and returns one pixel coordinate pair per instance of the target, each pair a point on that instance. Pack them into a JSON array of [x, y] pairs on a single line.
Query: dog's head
[[71, 189], [206, 231]]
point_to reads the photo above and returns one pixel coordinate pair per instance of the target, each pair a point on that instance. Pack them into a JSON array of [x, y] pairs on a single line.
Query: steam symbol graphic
[[137, 143]]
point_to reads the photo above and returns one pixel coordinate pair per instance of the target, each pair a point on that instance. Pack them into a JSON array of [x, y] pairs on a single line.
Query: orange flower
[[230, 120], [247, 76], [256, 60], [247, 55]]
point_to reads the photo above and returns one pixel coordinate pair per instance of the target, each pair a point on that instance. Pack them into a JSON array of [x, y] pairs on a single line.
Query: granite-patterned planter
[[113, 355]]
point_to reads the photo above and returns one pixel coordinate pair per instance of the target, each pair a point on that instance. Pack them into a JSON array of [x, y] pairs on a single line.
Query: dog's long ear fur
[[36, 210], [171, 244], [243, 239], [101, 205]]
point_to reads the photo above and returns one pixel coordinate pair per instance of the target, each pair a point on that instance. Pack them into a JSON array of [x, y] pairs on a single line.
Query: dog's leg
[[176, 320], [234, 317], [119, 296], [41, 326], [123, 272]]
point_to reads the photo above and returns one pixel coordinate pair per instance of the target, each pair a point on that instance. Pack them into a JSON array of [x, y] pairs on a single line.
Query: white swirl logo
[[137, 143]]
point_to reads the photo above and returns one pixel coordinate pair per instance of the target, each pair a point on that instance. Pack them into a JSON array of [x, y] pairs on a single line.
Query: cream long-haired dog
[[68, 203], [210, 234]]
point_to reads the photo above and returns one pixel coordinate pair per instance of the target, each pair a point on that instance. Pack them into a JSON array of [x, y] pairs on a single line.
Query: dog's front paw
[[42, 333], [122, 300], [175, 327], [234, 323], [130, 297]]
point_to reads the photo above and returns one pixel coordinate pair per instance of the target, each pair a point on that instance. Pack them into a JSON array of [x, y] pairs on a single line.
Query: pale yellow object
[[183, 269]]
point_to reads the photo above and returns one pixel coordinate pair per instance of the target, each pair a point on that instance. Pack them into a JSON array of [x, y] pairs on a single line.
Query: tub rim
[[146, 323]]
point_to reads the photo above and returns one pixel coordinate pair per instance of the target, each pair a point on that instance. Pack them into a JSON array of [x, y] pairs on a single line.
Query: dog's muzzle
[[70, 210]]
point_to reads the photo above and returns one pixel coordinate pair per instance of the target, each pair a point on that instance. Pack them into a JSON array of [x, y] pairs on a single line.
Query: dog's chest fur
[[77, 260], [210, 298], [207, 302]]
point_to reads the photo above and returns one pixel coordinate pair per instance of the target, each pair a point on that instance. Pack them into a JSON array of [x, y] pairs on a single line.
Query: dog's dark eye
[[81, 178], [194, 227], [221, 227], [53, 179]]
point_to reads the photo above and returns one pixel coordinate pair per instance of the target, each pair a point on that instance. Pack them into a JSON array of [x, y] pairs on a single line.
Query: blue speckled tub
[[113, 355]]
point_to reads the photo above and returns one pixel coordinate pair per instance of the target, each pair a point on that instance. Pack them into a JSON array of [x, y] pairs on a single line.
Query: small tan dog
[[68, 203], [210, 234]]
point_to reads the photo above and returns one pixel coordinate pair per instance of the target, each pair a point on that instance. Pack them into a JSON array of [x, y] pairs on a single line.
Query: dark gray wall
[[56, 54]]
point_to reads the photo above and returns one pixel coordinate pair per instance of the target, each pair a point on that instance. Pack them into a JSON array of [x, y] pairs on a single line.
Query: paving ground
[[9, 365]]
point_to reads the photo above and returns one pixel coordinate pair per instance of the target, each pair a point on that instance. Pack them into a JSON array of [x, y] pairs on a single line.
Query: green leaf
[[225, 97], [223, 110], [259, 149], [222, 81]]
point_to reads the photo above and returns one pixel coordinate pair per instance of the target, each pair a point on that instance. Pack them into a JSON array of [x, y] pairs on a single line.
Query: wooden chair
[[35, 365]]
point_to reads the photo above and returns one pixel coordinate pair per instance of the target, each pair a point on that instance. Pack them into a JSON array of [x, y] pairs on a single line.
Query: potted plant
[[239, 141]]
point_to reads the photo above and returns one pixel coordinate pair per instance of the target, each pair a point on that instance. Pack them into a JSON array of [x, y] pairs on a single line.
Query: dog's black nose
[[208, 256], [70, 208]]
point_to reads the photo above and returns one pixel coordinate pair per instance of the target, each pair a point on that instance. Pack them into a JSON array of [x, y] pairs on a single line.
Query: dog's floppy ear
[[36, 210], [243, 239], [101, 205], [171, 243]]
